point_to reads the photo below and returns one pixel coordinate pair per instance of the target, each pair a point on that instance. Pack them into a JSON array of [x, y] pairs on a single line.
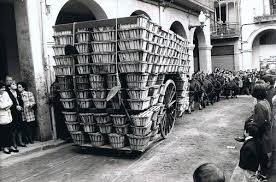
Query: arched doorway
[[74, 11], [199, 56], [263, 49], [140, 12], [178, 28]]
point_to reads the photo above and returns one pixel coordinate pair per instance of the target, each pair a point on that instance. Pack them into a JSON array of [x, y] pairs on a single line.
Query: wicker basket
[[122, 129], [137, 77], [82, 79], [63, 70], [90, 128], [68, 103], [104, 35], [105, 128], [116, 140], [64, 86], [83, 36], [155, 68], [97, 139], [70, 116], [141, 130], [103, 68], [83, 58], [139, 143], [59, 50], [63, 39], [83, 94], [133, 55], [64, 79], [102, 118], [83, 47], [64, 60], [142, 22], [96, 78], [154, 99], [111, 81], [152, 79], [154, 90], [98, 93], [66, 94], [135, 33], [100, 103], [140, 104], [103, 58], [86, 118], [160, 79], [156, 110], [134, 67], [143, 119], [73, 126], [115, 104], [96, 85], [78, 138], [83, 86], [83, 69], [138, 93], [85, 103], [135, 44], [119, 119], [100, 47]]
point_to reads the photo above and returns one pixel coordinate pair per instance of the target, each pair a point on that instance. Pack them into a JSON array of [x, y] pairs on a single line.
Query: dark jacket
[[250, 155], [262, 117], [270, 94]]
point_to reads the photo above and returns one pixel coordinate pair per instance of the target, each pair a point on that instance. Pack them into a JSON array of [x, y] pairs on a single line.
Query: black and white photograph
[[138, 90]]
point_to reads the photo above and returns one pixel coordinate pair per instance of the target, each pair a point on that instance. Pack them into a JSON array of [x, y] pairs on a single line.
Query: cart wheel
[[169, 101]]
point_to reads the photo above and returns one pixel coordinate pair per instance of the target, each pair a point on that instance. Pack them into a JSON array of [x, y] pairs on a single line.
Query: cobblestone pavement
[[203, 136]]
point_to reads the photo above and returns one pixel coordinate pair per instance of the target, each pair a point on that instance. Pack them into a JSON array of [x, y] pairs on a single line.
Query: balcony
[[225, 30], [267, 17]]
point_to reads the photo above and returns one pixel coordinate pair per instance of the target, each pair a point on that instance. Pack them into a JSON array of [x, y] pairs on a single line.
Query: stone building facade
[[243, 34], [27, 37]]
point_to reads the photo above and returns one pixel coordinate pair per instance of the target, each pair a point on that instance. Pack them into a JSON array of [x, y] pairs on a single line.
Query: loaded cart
[[122, 81]]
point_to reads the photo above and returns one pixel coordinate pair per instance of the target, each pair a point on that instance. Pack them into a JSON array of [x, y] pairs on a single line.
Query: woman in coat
[[262, 117], [28, 111], [5, 120], [16, 111]]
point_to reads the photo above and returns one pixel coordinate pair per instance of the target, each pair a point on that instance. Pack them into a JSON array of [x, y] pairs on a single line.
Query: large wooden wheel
[[168, 119]]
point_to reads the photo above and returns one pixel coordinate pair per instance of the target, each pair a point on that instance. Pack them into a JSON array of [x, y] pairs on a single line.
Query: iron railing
[[225, 30]]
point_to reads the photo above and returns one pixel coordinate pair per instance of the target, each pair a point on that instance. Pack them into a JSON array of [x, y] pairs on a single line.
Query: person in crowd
[[28, 111], [246, 85], [5, 120], [262, 117], [208, 172], [270, 88], [16, 111], [250, 153]]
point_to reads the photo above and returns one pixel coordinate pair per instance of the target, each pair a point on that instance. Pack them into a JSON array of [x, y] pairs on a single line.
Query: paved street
[[200, 137]]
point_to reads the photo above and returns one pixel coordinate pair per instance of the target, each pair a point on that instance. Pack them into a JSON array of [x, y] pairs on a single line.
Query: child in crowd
[[208, 172], [250, 153]]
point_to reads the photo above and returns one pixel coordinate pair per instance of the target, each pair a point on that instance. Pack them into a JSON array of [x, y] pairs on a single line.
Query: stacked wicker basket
[[146, 53]]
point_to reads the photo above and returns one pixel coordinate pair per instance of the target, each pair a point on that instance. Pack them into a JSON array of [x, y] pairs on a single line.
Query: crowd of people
[[256, 152], [17, 115]]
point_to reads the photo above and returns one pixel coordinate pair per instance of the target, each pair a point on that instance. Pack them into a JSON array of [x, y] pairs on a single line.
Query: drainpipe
[[46, 66]]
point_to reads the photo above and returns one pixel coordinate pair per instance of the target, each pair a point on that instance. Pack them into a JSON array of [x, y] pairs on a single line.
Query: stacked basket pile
[[146, 53], [182, 94]]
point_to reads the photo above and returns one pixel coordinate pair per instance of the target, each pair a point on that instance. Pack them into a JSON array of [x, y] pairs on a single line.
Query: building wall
[[246, 55]]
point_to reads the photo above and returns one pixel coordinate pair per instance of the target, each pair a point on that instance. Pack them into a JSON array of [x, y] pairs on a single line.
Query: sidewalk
[[31, 148]]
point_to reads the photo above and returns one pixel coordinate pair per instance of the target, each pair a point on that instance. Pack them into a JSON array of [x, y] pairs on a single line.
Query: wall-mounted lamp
[[201, 19]]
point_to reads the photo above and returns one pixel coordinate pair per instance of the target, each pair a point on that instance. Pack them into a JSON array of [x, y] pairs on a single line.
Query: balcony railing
[[225, 30]]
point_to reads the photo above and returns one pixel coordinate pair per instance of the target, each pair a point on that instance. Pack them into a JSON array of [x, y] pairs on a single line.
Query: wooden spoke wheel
[[169, 114]]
